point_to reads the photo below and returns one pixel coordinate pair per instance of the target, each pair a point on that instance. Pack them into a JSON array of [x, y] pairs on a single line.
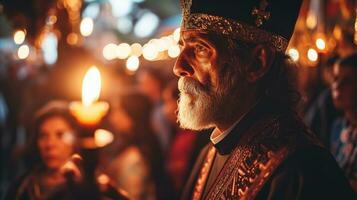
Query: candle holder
[[89, 113]]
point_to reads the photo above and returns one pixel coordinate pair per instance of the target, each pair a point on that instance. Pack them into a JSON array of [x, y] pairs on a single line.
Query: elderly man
[[235, 77]]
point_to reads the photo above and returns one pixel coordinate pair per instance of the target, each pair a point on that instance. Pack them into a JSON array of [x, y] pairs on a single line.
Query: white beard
[[196, 108]]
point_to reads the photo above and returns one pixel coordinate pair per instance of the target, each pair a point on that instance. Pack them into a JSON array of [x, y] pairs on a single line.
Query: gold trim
[[231, 28], [201, 181]]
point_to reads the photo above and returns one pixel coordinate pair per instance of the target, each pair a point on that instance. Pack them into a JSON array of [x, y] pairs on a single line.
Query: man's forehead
[[199, 35], [189, 35]]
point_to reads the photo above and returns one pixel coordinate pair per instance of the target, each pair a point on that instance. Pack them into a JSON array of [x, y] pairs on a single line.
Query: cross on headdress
[[261, 14]]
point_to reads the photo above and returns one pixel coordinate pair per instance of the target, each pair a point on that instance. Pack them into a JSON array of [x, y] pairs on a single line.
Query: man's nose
[[182, 67]]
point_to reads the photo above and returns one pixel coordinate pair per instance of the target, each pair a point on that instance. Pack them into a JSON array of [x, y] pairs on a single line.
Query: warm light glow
[[72, 38], [320, 44], [23, 51], [51, 20], [19, 36], [312, 55], [355, 36], [294, 54], [109, 51], [86, 26], [103, 179], [123, 50], [136, 49], [177, 34], [160, 44], [91, 86], [150, 52], [311, 20], [90, 112], [169, 41], [174, 51], [132, 64], [337, 32], [102, 137]]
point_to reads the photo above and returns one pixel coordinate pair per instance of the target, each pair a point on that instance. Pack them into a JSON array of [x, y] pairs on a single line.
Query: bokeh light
[[123, 50], [132, 64], [19, 36], [174, 51], [86, 26], [136, 49], [150, 52], [23, 51], [294, 54], [312, 55], [72, 38], [177, 34], [320, 44], [109, 51]]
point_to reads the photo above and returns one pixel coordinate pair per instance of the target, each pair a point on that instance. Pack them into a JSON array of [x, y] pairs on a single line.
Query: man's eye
[[201, 50]]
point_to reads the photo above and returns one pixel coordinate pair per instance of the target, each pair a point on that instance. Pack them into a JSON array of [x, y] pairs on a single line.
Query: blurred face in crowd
[[119, 119], [55, 142], [209, 80], [150, 86], [344, 87]]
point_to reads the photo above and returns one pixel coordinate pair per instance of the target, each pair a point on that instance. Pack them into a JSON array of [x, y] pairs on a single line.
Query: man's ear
[[262, 59]]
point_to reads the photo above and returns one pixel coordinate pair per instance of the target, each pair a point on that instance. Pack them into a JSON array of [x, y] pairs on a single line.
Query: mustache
[[190, 86]]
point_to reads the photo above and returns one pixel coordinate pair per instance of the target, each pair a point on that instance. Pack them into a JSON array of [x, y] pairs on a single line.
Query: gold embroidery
[[231, 28], [260, 14], [201, 181], [251, 163]]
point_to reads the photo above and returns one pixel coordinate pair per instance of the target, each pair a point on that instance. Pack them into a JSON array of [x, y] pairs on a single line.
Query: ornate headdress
[[252, 21]]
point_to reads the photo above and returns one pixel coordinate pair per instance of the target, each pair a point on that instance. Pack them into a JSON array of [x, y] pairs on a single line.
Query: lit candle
[[90, 111]]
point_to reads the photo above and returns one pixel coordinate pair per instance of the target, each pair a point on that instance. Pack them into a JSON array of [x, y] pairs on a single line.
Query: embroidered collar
[[225, 142]]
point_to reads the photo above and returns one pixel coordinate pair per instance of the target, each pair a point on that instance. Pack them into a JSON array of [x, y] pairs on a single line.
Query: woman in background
[[52, 144]]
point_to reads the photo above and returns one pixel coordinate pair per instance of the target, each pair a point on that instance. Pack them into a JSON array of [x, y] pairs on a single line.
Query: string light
[[23, 51], [174, 51], [109, 51], [311, 20], [123, 50], [136, 49], [19, 36], [312, 55], [132, 64], [320, 44], [150, 52], [177, 34], [294, 54]]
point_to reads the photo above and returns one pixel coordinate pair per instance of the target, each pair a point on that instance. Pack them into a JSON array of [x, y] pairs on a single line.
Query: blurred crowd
[[150, 156]]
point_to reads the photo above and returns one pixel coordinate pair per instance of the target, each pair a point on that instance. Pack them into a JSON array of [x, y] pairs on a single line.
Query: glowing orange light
[[312, 55], [320, 44], [102, 137], [89, 111]]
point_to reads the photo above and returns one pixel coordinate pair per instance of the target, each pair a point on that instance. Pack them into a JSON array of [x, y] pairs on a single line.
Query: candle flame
[[91, 86]]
